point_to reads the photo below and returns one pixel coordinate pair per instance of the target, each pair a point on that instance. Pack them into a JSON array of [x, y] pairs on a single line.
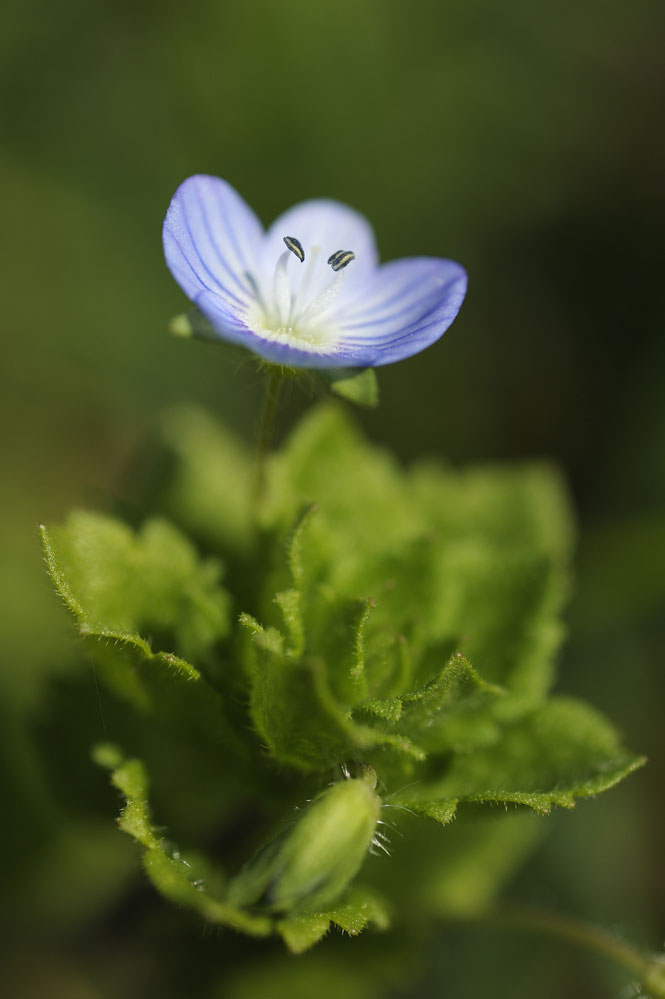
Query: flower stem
[[267, 427], [648, 968]]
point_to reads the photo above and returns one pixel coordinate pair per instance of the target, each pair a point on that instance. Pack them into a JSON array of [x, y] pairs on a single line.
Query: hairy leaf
[[561, 752]]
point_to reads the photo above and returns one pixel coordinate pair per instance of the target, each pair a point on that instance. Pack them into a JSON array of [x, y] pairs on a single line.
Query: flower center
[[294, 310]]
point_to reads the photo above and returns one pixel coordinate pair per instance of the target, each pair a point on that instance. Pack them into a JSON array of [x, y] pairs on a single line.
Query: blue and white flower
[[309, 292]]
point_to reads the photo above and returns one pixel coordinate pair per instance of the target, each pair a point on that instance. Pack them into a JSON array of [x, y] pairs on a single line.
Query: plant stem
[[267, 427], [649, 969]]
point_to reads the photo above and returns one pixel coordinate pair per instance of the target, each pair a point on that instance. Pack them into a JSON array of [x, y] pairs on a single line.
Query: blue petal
[[212, 242], [404, 307]]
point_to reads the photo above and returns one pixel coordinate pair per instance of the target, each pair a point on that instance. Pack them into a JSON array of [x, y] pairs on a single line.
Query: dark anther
[[295, 246], [341, 259]]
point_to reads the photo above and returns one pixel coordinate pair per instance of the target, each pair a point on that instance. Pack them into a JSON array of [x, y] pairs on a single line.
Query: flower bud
[[307, 868]]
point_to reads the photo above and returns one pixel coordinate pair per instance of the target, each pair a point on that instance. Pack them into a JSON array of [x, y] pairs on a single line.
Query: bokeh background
[[524, 140]]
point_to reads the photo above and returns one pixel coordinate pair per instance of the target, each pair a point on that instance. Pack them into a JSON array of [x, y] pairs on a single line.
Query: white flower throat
[[289, 312]]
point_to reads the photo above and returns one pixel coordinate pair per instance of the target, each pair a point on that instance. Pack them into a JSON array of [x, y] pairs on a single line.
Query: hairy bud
[[307, 868]]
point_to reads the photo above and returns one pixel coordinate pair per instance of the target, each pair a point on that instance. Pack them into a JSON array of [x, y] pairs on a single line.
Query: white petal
[[328, 226]]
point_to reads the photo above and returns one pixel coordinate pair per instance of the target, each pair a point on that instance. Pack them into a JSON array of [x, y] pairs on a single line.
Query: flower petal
[[330, 226], [405, 306], [212, 241]]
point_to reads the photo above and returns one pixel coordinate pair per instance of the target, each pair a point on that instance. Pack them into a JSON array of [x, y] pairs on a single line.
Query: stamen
[[281, 290], [340, 259], [324, 300], [300, 294], [295, 246], [286, 313]]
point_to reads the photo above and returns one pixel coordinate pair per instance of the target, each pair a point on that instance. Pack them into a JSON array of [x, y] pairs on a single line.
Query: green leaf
[[209, 490], [118, 582], [359, 908], [356, 488], [171, 877], [508, 611], [453, 710], [296, 713], [169, 872], [302, 688], [522, 505], [440, 811], [336, 633], [115, 582], [561, 752], [425, 607], [473, 561], [130, 778], [302, 932], [290, 601], [356, 385]]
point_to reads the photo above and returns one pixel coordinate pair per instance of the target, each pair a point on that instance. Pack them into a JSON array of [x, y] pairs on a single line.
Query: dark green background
[[524, 140]]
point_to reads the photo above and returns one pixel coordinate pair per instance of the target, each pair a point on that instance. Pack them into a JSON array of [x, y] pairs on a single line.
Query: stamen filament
[[323, 301], [289, 315], [282, 291], [300, 293]]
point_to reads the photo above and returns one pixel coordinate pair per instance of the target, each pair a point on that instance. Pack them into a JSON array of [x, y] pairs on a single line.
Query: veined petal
[[405, 306], [212, 241]]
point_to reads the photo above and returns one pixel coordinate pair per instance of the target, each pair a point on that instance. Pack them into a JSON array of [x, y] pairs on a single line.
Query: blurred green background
[[524, 140]]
